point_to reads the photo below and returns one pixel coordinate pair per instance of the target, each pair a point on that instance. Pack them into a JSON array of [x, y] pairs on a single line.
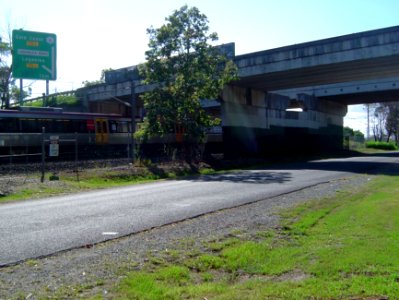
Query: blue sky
[[93, 35]]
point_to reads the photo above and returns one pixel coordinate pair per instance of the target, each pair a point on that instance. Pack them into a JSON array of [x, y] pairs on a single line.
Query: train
[[22, 130], [95, 135]]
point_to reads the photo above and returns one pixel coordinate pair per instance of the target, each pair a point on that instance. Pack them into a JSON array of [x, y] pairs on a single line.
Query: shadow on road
[[375, 164], [249, 176]]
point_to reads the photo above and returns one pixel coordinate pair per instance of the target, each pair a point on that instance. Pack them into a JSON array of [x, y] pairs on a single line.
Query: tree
[[87, 83], [8, 90], [355, 135], [5, 71], [358, 136], [392, 120], [385, 121], [15, 92], [184, 68], [378, 122]]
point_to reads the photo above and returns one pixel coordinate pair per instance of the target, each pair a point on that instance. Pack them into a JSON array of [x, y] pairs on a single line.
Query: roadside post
[[76, 157], [43, 153]]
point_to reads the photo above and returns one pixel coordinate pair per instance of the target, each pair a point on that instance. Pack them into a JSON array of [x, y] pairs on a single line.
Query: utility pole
[[133, 117]]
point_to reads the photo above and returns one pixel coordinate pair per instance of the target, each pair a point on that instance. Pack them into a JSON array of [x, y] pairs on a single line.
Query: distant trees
[[9, 91], [355, 135], [392, 120], [384, 119], [184, 68]]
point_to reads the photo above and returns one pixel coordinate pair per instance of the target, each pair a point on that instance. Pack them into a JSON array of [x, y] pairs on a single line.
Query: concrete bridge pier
[[257, 123]]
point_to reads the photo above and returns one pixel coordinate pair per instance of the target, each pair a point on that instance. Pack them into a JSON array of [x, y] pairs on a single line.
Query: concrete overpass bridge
[[324, 75]]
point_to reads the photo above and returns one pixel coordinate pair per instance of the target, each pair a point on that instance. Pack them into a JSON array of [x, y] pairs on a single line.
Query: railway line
[[14, 170]]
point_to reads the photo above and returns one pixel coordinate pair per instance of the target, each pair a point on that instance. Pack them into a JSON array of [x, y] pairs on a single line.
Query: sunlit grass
[[34, 191], [72, 182], [110, 180], [342, 247]]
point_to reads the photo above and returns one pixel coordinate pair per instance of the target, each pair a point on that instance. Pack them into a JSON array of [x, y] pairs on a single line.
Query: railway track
[[14, 170]]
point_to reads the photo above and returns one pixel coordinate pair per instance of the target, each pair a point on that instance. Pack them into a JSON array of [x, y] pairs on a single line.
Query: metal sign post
[[21, 91], [43, 153]]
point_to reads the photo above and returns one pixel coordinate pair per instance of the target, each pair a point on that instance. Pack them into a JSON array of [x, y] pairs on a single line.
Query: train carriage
[[21, 129]]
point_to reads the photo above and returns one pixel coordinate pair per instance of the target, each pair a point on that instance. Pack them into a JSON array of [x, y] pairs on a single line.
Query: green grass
[[109, 181], [33, 192], [72, 183], [346, 247]]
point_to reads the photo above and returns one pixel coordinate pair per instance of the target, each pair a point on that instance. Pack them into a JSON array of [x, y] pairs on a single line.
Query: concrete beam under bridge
[[257, 123], [349, 93]]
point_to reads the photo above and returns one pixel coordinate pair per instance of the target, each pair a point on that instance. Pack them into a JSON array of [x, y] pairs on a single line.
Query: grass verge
[[346, 247], [30, 187]]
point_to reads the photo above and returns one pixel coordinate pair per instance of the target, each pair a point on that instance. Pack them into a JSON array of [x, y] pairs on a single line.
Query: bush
[[381, 145]]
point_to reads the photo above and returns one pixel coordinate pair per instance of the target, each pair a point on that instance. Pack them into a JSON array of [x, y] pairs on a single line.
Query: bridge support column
[[257, 123]]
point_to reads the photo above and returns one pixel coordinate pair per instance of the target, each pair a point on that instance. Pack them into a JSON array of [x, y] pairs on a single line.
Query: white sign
[[54, 148]]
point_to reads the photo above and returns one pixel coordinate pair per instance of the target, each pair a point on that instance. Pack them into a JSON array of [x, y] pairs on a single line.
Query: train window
[[118, 126], [29, 125], [46, 123], [113, 126], [123, 127], [105, 129], [9, 125], [98, 127], [62, 126], [78, 126]]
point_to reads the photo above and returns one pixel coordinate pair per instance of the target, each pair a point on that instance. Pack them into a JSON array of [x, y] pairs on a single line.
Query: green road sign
[[34, 55]]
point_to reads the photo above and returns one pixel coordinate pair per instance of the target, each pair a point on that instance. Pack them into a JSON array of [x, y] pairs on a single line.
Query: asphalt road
[[33, 229]]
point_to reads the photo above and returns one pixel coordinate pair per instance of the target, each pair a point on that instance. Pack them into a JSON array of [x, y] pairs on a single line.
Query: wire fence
[[18, 146]]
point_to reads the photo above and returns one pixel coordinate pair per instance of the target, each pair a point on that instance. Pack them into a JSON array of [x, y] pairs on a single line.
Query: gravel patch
[[95, 268]]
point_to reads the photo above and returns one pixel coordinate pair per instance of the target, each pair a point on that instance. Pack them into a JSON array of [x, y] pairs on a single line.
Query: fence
[[18, 145]]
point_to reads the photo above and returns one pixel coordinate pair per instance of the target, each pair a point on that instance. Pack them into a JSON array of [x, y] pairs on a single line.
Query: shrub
[[381, 145]]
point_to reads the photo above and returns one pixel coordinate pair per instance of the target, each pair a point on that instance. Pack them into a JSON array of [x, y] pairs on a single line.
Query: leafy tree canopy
[[184, 68], [5, 72], [87, 83], [384, 120], [9, 91], [356, 135]]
